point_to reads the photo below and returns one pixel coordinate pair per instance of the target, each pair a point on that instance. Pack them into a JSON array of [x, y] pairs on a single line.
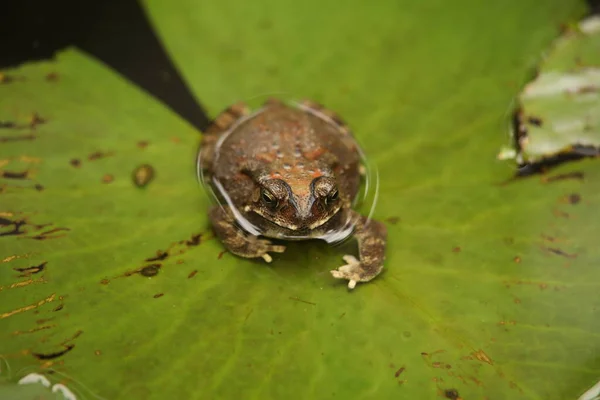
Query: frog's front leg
[[371, 236], [237, 241]]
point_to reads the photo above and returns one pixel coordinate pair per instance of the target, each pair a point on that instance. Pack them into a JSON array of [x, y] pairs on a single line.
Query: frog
[[288, 172]]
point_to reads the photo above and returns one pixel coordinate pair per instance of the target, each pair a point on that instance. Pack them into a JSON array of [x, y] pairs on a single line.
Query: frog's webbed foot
[[351, 271], [237, 241], [371, 236]]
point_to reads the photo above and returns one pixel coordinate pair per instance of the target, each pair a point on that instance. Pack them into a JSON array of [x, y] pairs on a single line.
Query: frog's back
[[291, 142]]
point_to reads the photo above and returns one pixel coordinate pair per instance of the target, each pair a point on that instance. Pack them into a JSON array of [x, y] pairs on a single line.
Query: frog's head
[[297, 204]]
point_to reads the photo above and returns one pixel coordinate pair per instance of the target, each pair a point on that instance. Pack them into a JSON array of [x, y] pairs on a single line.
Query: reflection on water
[[295, 150]]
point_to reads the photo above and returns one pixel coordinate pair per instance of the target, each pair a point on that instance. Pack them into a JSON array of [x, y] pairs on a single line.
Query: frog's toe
[[351, 271]]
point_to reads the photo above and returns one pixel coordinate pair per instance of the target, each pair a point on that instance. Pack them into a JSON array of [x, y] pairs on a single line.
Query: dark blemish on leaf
[[192, 274], [52, 77], [537, 121], [517, 259], [7, 124], [548, 238], [46, 235], [36, 120], [180, 261], [142, 144], [50, 356], [574, 198], [160, 256], [97, 352], [221, 254], [303, 301], [194, 240], [451, 394], [18, 138], [393, 220], [75, 162], [108, 178], [342, 315], [456, 249], [4, 78], [15, 175], [28, 271], [559, 252], [406, 334], [561, 214], [156, 296], [143, 175], [38, 187], [150, 270], [104, 281], [481, 356], [58, 308], [17, 225], [400, 370], [561, 177], [99, 154]]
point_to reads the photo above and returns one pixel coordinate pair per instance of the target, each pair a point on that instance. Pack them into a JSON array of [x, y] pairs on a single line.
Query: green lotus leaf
[[490, 288]]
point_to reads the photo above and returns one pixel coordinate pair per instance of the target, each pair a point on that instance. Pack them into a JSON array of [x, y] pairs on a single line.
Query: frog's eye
[[268, 198], [332, 196]]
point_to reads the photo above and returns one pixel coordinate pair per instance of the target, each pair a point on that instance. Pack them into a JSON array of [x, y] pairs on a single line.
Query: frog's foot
[[261, 248], [352, 271]]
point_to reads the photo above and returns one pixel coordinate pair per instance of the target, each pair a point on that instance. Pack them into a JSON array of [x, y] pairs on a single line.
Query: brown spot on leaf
[[38, 187], [50, 356], [393, 220], [303, 301], [15, 175], [481, 356], [150, 270], [29, 307], [561, 214], [456, 249], [559, 252], [36, 120], [192, 274], [52, 77], [517, 259], [194, 240], [156, 296], [221, 254], [142, 144], [574, 198], [160, 256], [16, 138], [7, 124], [578, 175], [51, 234], [451, 394], [399, 371], [537, 121], [104, 281], [97, 352], [108, 178], [75, 162], [99, 154], [143, 175], [28, 271]]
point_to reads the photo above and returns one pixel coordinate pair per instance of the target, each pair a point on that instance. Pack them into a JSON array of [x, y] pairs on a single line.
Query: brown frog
[[288, 172]]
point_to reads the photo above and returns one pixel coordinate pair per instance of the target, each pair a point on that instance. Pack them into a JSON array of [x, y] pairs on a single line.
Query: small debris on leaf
[[143, 175]]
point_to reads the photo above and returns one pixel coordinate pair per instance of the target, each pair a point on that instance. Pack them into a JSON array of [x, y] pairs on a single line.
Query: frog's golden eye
[[268, 198]]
